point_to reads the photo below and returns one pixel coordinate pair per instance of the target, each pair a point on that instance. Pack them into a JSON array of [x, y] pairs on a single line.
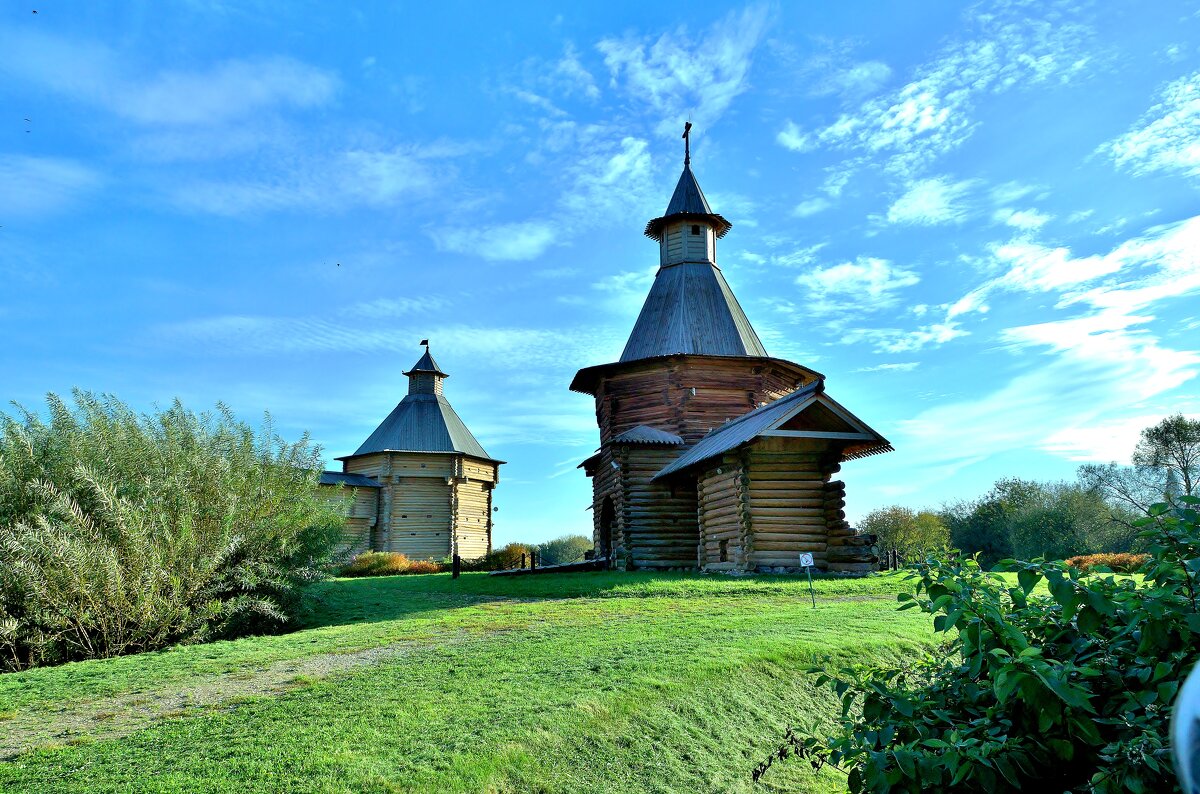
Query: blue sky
[[981, 223]]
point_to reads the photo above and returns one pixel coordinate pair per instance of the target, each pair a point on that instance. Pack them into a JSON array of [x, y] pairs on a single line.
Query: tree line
[[1027, 519]]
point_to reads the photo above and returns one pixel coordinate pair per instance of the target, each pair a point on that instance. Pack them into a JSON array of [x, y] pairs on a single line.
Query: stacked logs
[[721, 513], [659, 519], [848, 552], [787, 507]]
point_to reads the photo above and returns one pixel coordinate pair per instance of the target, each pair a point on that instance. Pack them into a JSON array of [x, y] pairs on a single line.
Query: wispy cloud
[[867, 282], [498, 242], [811, 206], [930, 202], [1026, 220], [93, 74], [1167, 137], [933, 113], [904, 366], [42, 185], [676, 74]]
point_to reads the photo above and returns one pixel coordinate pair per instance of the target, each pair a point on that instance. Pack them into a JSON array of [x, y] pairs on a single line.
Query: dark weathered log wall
[[658, 519]]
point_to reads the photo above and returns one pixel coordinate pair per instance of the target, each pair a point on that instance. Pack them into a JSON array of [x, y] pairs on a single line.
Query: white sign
[[806, 559]]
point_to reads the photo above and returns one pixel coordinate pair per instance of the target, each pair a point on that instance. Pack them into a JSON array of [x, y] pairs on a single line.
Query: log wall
[[658, 519], [361, 505], [725, 543], [788, 505], [472, 511], [660, 395], [420, 521]]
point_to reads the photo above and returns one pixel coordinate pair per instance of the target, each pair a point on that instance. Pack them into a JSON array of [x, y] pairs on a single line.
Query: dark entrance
[[608, 519]]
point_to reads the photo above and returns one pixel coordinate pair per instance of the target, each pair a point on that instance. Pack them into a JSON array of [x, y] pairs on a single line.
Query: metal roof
[[688, 200], [644, 434], [690, 309], [427, 364], [749, 426], [422, 423], [352, 480]]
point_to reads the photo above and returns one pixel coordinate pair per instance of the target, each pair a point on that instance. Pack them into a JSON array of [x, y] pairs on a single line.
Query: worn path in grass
[[587, 682]]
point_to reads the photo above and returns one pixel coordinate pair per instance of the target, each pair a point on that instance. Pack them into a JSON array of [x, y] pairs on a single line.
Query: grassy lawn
[[570, 682]]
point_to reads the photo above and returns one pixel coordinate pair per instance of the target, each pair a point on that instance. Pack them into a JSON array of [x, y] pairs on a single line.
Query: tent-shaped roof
[[691, 309], [860, 439], [688, 202], [422, 423], [427, 364]]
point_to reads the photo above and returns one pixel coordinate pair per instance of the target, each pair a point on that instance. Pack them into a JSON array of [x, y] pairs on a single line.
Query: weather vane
[[687, 143]]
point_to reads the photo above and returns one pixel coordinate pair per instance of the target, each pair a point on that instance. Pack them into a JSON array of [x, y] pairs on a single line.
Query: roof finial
[[426, 343], [687, 143]]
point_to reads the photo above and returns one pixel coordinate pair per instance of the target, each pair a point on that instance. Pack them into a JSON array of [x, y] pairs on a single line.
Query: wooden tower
[[692, 364], [423, 483]]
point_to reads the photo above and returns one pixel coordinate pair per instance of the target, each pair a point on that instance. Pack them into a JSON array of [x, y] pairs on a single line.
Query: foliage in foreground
[[1114, 563], [1069, 691], [122, 532], [386, 563]]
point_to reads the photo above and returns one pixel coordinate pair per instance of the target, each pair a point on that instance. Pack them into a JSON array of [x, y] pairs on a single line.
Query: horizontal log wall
[[787, 503], [722, 517], [420, 520], [658, 519], [361, 506], [472, 519], [661, 396]]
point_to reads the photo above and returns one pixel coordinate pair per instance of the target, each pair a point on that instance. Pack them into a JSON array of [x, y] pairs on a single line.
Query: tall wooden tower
[[693, 363]]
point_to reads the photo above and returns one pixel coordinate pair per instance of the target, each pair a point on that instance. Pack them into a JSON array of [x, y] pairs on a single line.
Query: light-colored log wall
[[472, 519], [787, 504], [420, 517], [361, 505]]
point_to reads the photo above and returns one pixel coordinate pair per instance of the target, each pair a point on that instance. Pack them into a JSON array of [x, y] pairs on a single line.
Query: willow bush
[[123, 532]]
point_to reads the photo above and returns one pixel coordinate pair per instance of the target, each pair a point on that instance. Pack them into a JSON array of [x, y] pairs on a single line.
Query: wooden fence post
[[522, 560], [533, 560], [455, 567]]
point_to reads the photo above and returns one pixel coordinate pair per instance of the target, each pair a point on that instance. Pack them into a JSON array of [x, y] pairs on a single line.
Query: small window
[[724, 546], [695, 228]]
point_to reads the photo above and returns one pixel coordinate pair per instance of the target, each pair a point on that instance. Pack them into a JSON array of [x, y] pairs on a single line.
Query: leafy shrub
[[385, 563], [568, 548], [122, 532], [1117, 563], [499, 559], [1067, 691]]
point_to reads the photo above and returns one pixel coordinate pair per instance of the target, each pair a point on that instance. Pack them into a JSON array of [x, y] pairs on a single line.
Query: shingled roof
[[688, 201], [691, 309], [863, 441]]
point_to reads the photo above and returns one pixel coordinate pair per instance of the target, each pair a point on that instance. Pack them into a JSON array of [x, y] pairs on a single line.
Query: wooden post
[[533, 560], [522, 560], [455, 566]]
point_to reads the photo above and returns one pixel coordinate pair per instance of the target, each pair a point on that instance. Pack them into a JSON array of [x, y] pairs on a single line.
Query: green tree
[[911, 534], [1172, 445], [568, 548]]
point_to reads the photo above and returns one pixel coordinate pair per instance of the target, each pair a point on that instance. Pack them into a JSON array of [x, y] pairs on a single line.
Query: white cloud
[[856, 81], [932, 114], [811, 207], [906, 366], [41, 185], [931, 201], [792, 137], [1026, 220], [676, 74], [866, 283], [502, 241], [577, 78], [895, 340], [224, 91], [1167, 137]]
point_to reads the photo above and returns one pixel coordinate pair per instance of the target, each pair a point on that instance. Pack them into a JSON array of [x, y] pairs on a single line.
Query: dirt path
[[114, 717]]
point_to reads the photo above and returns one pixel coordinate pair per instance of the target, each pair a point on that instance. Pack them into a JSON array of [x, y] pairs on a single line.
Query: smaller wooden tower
[[432, 481]]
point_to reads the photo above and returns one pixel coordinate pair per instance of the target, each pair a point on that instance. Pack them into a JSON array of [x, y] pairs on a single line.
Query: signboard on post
[[806, 562]]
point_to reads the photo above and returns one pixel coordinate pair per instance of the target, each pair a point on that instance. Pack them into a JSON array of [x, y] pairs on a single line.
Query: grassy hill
[[570, 682]]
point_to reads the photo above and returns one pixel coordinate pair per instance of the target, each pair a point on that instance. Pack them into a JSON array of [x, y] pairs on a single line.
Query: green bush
[[386, 563], [499, 559], [1067, 691], [568, 548], [122, 532]]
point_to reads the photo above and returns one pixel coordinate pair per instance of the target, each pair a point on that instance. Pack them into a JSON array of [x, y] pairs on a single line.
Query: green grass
[[584, 682]]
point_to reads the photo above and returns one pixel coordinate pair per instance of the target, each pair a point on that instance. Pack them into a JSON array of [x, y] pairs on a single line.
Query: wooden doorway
[[608, 519]]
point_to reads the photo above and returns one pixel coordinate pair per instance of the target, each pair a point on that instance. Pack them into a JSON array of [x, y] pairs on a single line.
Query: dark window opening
[[695, 228], [724, 547]]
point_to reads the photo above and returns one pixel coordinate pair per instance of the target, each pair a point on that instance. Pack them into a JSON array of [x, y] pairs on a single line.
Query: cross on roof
[[687, 143]]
